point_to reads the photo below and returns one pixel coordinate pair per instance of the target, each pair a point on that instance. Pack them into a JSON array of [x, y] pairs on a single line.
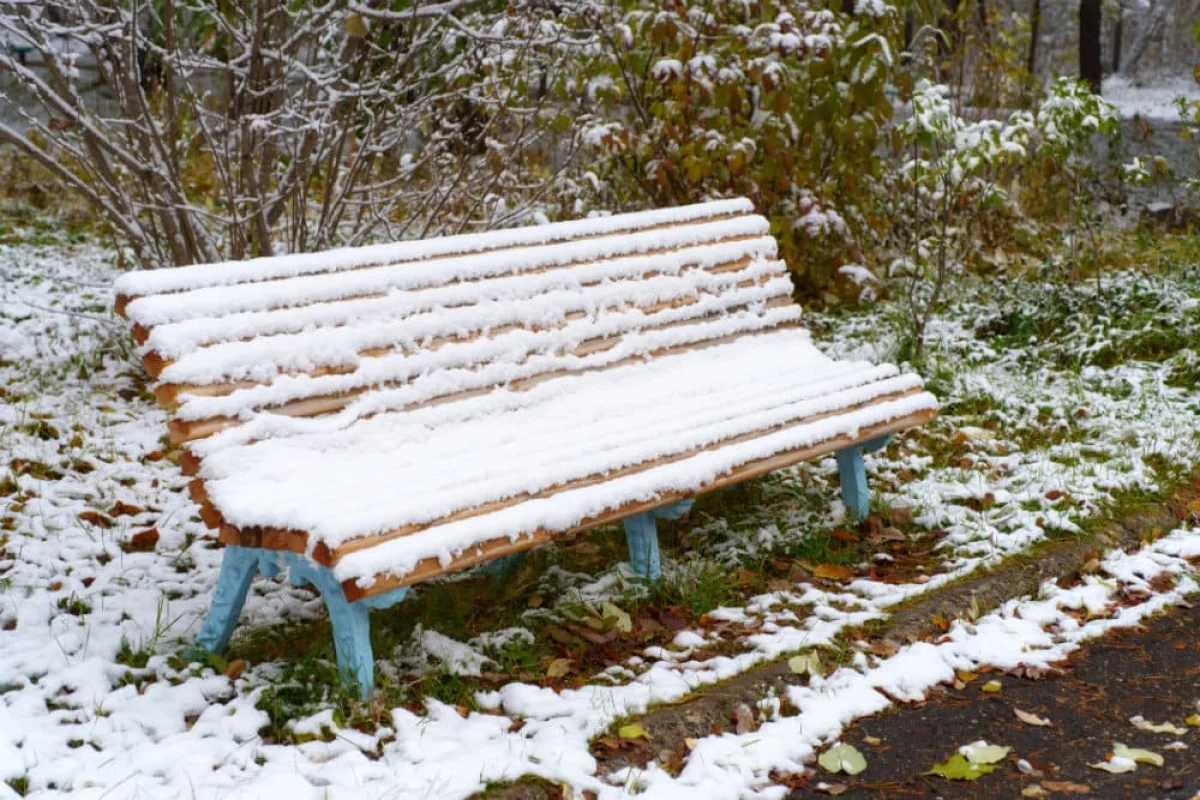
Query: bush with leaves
[[1064, 180], [959, 184], [781, 102], [949, 178]]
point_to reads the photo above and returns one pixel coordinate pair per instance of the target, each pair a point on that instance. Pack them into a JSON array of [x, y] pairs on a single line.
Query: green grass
[[19, 784]]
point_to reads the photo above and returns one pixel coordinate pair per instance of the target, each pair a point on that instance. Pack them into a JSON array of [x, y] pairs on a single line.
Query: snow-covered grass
[[1058, 407]]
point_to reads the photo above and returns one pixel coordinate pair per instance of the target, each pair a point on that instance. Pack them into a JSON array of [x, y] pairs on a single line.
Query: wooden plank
[[265, 538], [181, 431], [154, 364], [431, 568], [252, 537], [168, 393], [122, 301], [354, 545]]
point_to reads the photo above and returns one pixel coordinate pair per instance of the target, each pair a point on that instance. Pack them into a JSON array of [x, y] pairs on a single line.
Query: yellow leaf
[[1193, 720], [1031, 719], [633, 731], [1163, 727], [623, 622], [966, 677], [559, 667], [356, 26], [991, 687]]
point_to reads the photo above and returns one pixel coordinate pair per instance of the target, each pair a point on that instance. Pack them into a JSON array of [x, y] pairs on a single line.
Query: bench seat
[[399, 496], [375, 417]]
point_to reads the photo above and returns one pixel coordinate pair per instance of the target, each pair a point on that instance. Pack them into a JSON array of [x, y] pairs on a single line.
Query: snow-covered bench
[[373, 417]]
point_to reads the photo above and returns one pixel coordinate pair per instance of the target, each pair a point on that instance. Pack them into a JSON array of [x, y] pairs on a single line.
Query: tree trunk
[[948, 43], [1090, 68], [985, 28], [1035, 26], [1116, 46]]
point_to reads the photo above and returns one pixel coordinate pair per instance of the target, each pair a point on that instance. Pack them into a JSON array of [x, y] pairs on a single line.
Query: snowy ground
[[1055, 407], [1157, 102]]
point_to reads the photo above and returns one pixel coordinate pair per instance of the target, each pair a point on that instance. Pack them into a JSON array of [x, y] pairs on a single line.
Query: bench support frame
[[641, 537], [853, 475], [351, 621]]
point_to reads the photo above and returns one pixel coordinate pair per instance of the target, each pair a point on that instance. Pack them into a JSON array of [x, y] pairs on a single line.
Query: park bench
[[372, 417]]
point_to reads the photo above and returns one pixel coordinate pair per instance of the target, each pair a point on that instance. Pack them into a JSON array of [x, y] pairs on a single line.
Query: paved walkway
[[1152, 672]]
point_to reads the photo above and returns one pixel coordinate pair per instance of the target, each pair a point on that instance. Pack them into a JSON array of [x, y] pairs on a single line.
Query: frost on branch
[[201, 129]]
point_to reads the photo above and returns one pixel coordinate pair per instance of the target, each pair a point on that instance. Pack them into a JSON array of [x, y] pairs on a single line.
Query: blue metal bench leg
[[352, 641], [351, 622], [238, 567], [641, 536], [853, 476]]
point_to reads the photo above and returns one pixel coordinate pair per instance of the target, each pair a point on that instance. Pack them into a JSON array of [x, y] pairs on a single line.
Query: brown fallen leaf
[[96, 518], [833, 572], [872, 524], [886, 535], [1066, 787], [743, 719], [593, 636], [235, 668], [831, 788], [141, 542], [885, 647], [123, 509]]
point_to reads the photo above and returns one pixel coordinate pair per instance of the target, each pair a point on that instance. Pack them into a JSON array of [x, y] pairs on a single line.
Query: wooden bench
[[373, 417]]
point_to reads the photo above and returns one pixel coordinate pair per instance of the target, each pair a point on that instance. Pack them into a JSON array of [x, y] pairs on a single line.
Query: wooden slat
[[431, 567], [181, 431], [330, 558], [168, 393], [361, 543], [122, 301]]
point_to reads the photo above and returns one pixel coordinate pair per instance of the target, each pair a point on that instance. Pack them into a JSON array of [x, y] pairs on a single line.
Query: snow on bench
[[374, 417]]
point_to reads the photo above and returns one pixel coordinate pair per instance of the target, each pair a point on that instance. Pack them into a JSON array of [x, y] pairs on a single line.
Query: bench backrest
[[357, 331]]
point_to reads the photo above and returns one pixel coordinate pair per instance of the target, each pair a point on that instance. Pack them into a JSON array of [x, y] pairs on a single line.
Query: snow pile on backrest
[[229, 273], [357, 332]]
